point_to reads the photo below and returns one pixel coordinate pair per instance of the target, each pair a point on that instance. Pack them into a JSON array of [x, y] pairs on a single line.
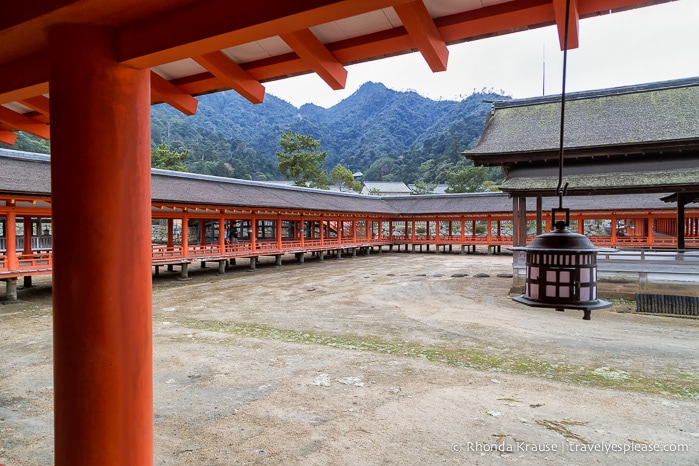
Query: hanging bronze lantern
[[561, 272], [561, 266]]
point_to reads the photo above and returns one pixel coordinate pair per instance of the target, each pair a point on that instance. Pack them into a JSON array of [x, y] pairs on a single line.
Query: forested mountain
[[386, 134]]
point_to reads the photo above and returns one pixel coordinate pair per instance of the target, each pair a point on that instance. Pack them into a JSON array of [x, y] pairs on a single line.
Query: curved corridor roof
[[26, 175]]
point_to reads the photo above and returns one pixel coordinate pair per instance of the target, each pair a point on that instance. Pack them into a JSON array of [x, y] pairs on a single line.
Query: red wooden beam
[[559, 10], [212, 25], [24, 123], [312, 51], [504, 17], [25, 78], [20, 12], [424, 33], [164, 91], [8, 137], [39, 104], [233, 76]]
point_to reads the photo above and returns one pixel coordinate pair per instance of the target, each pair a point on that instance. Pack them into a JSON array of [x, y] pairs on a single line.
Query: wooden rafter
[[212, 25], [232, 75], [140, 45], [39, 104], [24, 123], [20, 12], [164, 91], [559, 10], [25, 78], [312, 51], [8, 137], [424, 33]]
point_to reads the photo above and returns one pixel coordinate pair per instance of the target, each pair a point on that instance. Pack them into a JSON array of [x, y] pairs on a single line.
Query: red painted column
[[102, 316], [202, 232], [27, 235], [11, 240], [184, 233], [321, 229], [221, 235], [170, 233], [278, 231]]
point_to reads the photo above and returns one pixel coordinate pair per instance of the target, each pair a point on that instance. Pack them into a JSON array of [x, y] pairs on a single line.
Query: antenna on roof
[[543, 77]]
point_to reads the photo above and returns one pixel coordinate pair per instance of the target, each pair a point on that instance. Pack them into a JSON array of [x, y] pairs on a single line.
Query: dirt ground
[[384, 359]]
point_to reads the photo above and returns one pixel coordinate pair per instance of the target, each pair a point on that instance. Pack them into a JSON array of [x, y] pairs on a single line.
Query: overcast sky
[[648, 44]]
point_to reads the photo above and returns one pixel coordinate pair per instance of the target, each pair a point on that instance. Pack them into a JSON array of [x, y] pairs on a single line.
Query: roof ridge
[[595, 93]]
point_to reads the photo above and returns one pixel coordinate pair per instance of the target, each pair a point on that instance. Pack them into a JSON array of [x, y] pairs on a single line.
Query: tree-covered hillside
[[386, 134]]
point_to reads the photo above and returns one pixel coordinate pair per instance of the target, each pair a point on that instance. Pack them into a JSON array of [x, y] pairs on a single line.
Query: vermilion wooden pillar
[[100, 176]]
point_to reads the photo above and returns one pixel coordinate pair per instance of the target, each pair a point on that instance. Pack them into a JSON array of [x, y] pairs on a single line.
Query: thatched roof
[[23, 173], [609, 121]]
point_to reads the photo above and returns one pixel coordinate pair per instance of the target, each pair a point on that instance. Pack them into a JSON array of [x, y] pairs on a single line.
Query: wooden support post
[[11, 240], [253, 234], [221, 235], [185, 236], [522, 221], [321, 231], [278, 234], [170, 233], [11, 290], [681, 202], [27, 237], [515, 222], [101, 207]]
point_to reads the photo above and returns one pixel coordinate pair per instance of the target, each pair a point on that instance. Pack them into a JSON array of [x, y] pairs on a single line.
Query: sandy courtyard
[[396, 358]]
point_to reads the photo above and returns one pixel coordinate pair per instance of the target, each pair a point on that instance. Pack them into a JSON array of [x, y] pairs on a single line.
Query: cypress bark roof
[[657, 114], [23, 173]]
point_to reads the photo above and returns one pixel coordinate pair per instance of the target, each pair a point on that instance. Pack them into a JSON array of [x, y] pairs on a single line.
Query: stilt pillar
[[222, 266], [102, 319], [11, 290], [278, 260]]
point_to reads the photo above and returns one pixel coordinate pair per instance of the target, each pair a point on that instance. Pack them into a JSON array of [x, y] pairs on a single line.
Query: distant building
[[438, 189], [386, 188]]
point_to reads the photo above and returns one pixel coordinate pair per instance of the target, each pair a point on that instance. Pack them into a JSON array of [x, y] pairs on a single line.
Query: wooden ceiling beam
[[559, 11], [24, 78], [20, 12], [8, 137], [211, 25], [40, 104], [424, 33], [24, 123], [312, 51], [163, 90], [233, 76], [495, 19]]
